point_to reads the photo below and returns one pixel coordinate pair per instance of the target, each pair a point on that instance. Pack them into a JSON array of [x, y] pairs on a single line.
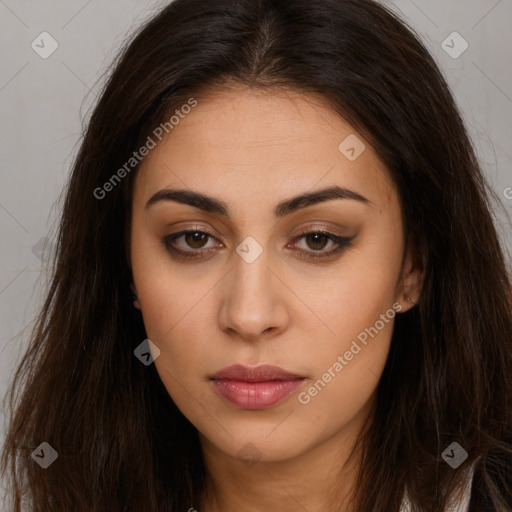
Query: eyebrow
[[213, 205]]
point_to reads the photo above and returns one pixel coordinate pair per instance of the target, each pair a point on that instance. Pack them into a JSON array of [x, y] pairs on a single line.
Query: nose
[[253, 300]]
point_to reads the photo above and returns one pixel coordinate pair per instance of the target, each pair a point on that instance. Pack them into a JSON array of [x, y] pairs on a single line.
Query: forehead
[[242, 144]]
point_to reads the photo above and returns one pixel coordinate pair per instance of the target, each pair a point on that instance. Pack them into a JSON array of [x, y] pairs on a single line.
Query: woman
[[278, 283]]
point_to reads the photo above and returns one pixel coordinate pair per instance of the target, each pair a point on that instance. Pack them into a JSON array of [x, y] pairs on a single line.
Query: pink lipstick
[[255, 387]]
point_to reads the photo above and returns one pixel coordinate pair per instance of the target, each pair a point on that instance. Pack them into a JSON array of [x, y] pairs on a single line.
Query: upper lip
[[255, 374]]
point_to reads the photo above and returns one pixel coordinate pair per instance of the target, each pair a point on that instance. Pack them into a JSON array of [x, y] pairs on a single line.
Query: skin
[[252, 149]]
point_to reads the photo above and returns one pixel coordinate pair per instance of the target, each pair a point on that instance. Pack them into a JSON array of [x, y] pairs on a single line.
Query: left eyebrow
[[213, 205]]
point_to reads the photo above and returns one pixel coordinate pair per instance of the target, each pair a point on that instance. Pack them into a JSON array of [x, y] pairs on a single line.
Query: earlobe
[[412, 280], [408, 299], [407, 303], [135, 298]]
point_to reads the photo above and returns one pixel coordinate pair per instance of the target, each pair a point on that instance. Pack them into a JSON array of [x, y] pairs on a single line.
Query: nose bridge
[[251, 266], [252, 303]]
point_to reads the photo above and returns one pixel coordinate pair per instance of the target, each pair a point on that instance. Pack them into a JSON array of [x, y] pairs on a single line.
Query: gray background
[[44, 103]]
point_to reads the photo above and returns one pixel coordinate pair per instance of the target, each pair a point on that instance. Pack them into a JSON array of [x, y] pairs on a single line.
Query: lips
[[257, 387], [262, 373]]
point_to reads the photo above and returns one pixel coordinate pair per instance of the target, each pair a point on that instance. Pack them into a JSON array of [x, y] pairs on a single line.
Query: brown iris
[[195, 237], [316, 237]]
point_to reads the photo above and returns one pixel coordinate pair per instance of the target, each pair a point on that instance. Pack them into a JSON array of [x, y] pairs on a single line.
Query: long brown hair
[[122, 443]]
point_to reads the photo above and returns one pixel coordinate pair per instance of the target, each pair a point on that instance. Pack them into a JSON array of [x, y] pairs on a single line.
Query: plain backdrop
[[45, 101]]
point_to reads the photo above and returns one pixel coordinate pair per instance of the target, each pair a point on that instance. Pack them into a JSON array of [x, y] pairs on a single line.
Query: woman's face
[[257, 291]]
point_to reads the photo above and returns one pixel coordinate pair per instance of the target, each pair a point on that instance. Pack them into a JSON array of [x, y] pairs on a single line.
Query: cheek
[[357, 307], [168, 292], [352, 296], [166, 299], [174, 310], [350, 361], [347, 365]]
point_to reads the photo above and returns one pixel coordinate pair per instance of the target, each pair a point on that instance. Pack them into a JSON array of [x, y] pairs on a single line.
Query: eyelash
[[342, 243]]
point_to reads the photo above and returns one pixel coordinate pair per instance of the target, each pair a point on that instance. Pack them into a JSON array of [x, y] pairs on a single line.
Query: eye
[[317, 240], [192, 239], [194, 243]]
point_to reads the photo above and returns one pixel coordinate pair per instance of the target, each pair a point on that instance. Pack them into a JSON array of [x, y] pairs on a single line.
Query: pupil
[[316, 237], [196, 237]]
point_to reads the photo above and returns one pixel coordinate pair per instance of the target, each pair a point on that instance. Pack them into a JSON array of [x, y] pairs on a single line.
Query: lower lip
[[255, 395]]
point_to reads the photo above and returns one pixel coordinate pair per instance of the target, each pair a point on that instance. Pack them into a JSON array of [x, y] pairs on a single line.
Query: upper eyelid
[[303, 233], [340, 242]]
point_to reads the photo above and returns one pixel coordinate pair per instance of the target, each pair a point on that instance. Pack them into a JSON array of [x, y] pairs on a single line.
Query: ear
[[136, 303], [412, 278]]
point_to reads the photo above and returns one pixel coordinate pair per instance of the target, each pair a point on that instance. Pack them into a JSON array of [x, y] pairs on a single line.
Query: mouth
[[257, 387]]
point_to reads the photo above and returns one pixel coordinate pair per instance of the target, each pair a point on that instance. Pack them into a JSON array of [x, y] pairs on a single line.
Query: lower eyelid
[[340, 244], [168, 242]]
